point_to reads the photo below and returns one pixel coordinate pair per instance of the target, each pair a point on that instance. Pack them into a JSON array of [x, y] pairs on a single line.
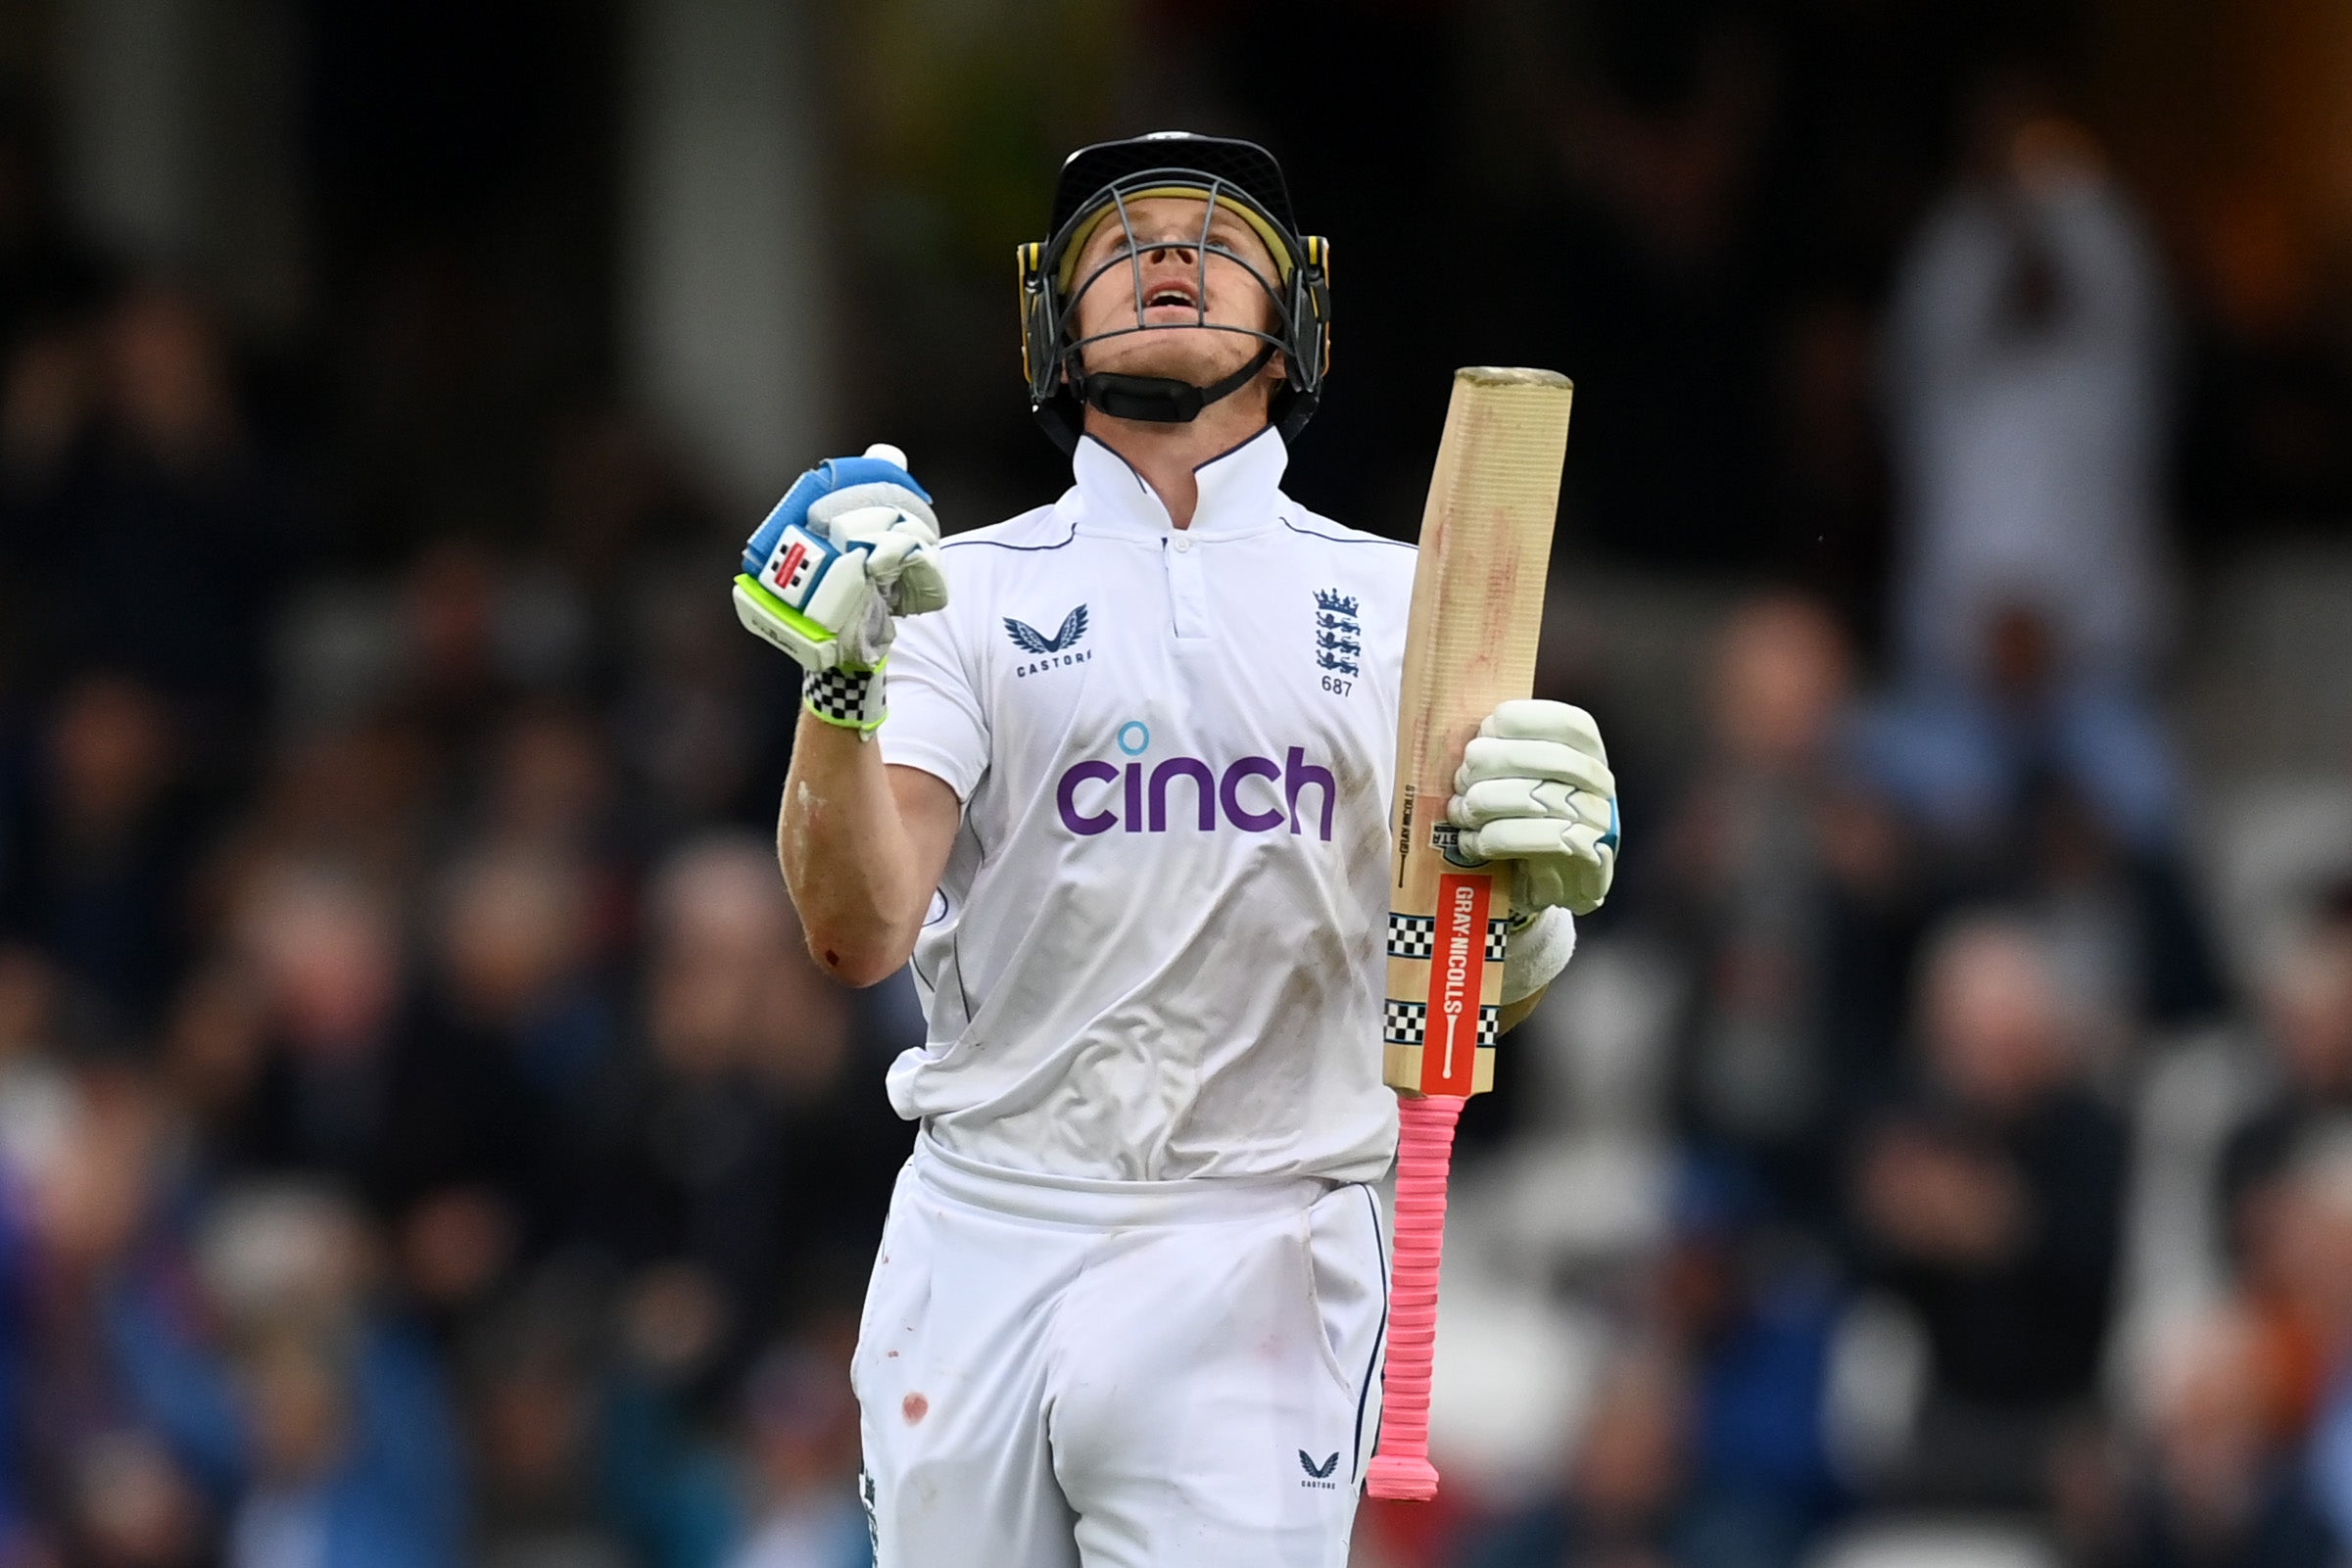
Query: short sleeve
[[935, 723]]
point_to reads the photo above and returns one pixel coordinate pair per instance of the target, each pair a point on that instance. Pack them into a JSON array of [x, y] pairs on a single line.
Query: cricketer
[[1114, 776]]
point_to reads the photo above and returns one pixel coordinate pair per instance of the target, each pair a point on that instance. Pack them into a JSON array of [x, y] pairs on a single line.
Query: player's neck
[[1169, 456]]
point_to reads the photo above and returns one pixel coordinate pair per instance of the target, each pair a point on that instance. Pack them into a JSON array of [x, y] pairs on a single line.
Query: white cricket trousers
[[1175, 1375]]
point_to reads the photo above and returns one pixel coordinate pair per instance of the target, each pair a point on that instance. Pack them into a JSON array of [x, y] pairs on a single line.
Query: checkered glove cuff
[[850, 700]]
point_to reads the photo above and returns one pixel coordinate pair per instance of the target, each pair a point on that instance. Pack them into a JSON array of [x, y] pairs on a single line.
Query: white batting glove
[[1534, 788], [852, 545]]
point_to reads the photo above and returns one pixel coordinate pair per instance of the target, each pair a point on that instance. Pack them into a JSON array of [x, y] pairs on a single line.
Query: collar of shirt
[[1238, 491]]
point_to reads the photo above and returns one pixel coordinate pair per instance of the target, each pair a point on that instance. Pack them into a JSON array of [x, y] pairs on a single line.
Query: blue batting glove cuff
[[835, 473]]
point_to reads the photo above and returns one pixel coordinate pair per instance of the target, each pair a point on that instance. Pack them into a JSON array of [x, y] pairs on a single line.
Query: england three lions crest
[[1338, 633]]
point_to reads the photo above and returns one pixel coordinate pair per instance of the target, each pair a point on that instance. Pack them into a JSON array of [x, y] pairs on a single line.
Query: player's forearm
[[848, 855]]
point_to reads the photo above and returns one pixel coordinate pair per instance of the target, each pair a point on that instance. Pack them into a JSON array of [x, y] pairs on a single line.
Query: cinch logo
[[1256, 795]]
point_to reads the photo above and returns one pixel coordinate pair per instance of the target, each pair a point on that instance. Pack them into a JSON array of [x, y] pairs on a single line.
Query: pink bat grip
[[1402, 1470]]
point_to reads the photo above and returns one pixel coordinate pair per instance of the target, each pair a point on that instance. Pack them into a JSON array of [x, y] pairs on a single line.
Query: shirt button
[[1183, 543]]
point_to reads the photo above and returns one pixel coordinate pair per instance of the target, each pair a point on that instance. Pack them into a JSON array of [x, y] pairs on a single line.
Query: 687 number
[[1333, 682]]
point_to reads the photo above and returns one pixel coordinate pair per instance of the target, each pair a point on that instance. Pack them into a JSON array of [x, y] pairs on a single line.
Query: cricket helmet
[[1097, 184]]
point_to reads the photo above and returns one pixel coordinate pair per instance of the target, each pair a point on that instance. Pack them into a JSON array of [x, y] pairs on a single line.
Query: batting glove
[[1534, 788], [852, 545]]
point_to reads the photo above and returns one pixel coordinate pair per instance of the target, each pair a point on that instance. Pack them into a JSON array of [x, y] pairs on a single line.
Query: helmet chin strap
[[1164, 400]]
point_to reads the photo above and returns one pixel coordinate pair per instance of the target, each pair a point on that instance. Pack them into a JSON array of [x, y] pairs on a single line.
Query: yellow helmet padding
[[1225, 198]]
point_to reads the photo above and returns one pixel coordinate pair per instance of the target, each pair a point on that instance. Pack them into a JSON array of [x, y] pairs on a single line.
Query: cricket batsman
[[1114, 776]]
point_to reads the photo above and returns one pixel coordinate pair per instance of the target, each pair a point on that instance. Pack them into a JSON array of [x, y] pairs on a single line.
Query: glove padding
[[852, 544], [1534, 787]]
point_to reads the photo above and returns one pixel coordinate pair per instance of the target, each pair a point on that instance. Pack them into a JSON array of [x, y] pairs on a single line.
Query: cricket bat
[[1478, 611]]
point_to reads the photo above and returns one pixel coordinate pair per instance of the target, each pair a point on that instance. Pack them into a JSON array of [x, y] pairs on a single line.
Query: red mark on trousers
[[914, 1407], [833, 959]]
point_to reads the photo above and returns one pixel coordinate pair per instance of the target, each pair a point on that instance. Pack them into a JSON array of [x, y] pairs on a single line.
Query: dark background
[[422, 1139]]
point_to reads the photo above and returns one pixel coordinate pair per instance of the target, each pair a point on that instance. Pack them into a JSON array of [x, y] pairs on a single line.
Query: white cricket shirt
[[1155, 953]]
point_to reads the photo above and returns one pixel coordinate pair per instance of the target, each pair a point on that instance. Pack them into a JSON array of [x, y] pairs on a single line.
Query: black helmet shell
[[1094, 181]]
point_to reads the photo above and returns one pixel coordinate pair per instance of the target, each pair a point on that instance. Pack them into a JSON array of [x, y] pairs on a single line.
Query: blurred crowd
[[424, 1140], [1912, 1175]]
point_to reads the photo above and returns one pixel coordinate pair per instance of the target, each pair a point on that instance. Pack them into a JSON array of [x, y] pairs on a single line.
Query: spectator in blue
[[802, 1425], [1623, 1502], [1755, 1307], [323, 1491], [348, 1443], [118, 1343]]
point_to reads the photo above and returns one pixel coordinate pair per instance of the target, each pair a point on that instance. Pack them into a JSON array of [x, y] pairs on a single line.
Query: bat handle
[[1400, 1469]]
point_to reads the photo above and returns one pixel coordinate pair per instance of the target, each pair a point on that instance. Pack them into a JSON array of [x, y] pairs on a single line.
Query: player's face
[[1166, 250]]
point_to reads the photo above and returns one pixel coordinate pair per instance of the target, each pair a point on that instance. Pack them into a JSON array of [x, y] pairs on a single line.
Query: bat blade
[[1478, 613]]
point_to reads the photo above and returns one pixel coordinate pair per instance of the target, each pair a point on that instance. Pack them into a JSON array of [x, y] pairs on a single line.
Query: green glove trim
[[813, 634]]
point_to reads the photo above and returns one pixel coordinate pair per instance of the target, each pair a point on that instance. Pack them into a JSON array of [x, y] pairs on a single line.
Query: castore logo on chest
[[1053, 652]]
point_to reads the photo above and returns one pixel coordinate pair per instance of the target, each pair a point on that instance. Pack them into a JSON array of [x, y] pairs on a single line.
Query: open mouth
[[1171, 296]]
